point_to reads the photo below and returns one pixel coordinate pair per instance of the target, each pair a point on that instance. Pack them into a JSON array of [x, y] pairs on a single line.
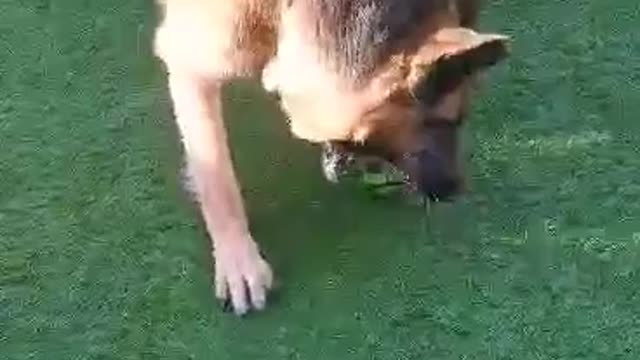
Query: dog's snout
[[441, 189], [431, 175]]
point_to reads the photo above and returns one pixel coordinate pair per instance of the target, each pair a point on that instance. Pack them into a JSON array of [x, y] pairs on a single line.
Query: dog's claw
[[243, 277], [226, 305]]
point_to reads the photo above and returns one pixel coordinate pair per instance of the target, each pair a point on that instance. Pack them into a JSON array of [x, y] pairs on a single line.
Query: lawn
[[102, 255]]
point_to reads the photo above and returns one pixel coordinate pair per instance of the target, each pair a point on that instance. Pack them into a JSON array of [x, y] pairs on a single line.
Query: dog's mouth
[[379, 175], [375, 172]]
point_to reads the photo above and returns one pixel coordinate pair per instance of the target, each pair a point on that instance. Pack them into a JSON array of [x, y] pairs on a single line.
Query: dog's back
[[237, 37], [360, 35]]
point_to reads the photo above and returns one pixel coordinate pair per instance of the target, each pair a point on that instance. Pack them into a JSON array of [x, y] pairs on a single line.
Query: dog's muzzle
[[428, 174]]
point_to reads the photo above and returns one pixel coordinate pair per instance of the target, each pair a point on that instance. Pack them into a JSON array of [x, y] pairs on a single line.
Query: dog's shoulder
[[227, 38]]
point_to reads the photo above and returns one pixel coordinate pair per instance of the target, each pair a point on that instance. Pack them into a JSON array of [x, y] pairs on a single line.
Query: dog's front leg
[[242, 275]]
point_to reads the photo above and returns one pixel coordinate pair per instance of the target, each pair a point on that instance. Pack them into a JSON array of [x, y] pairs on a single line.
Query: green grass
[[103, 257]]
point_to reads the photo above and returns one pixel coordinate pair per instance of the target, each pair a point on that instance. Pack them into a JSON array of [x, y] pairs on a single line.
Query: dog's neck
[[320, 104]]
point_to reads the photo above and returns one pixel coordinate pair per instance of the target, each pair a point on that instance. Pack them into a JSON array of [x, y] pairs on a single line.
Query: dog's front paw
[[243, 277]]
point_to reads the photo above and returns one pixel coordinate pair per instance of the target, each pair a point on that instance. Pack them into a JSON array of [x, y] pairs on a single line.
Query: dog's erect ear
[[450, 55], [476, 50]]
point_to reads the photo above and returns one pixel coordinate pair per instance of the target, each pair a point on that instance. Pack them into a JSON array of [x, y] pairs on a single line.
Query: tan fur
[[219, 39]]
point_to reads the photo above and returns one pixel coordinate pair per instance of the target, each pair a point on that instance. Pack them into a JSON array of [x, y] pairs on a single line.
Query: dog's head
[[406, 109], [421, 107]]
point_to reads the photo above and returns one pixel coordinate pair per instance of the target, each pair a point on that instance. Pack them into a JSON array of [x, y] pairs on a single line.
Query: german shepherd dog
[[383, 78]]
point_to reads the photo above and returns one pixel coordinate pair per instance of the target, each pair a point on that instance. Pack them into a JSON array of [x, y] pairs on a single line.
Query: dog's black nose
[[431, 175], [439, 190]]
